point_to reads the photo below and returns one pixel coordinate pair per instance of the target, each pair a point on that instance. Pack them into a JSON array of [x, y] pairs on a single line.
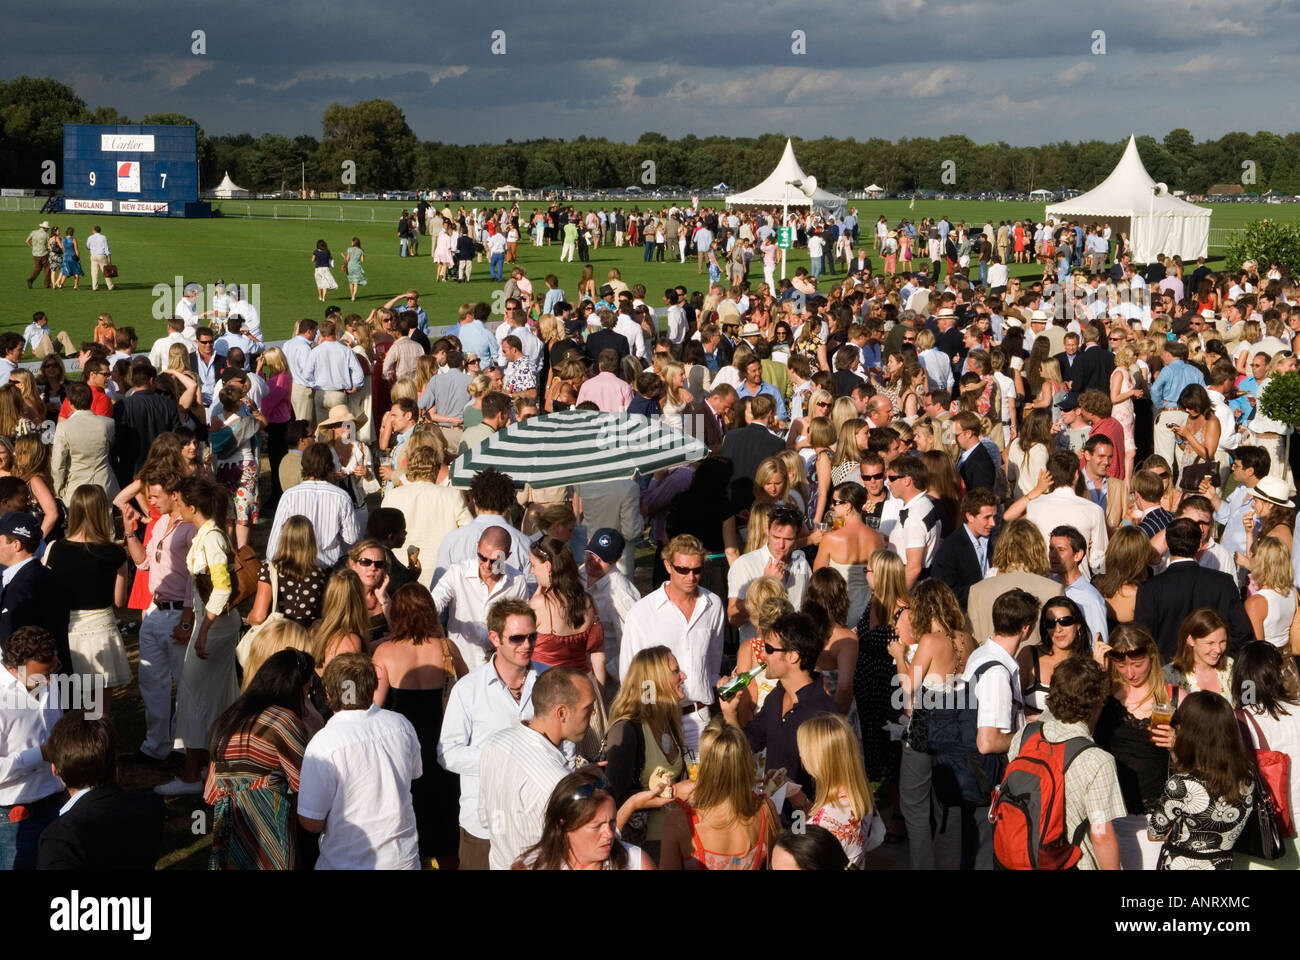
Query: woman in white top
[[1028, 454], [734, 375], [1272, 715], [847, 548], [829, 750], [1272, 609], [676, 397], [580, 830]]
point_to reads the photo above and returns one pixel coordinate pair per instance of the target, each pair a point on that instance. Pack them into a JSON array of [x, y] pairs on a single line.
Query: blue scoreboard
[[132, 169]]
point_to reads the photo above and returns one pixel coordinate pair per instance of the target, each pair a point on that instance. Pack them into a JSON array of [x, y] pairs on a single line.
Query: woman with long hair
[[844, 467], [796, 478], [926, 668], [276, 407], [14, 422], [278, 635], [644, 738], [178, 368], [580, 831], [292, 583], [1125, 387], [421, 665], [1062, 634], [943, 486], [1202, 662], [819, 403], [207, 685], [322, 262], [725, 825], [53, 383], [1128, 555], [31, 404], [569, 633], [766, 600], [847, 548], [675, 397], [887, 619], [368, 559], [821, 450], [772, 484], [1028, 453], [1272, 514], [352, 461], [343, 624], [257, 748], [1208, 798], [826, 601], [354, 257], [1140, 748], [92, 567], [32, 466], [828, 749], [1272, 609], [1272, 717]]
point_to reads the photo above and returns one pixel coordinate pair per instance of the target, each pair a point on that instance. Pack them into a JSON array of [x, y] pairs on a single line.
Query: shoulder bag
[[246, 643], [1274, 776]]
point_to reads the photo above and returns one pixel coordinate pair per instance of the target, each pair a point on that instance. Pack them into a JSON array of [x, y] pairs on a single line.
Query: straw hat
[[339, 415], [1273, 490]]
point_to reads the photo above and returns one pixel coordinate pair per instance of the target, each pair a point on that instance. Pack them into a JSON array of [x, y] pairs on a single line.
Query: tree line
[[387, 154]]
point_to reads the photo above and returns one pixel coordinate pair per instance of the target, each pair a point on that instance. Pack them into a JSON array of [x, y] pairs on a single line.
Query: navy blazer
[[36, 598], [107, 829], [977, 470], [956, 563]]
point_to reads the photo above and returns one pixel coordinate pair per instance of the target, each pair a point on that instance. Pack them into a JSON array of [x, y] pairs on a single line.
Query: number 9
[[92, 178]]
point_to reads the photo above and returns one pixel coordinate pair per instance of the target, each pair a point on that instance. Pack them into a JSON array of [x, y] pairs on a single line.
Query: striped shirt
[[518, 770]]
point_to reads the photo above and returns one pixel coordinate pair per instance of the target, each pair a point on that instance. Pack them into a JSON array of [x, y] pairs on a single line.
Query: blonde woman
[[477, 389], [566, 380], [292, 583], [1273, 608], [796, 479], [828, 749], [819, 405], [14, 422], [765, 602], [675, 397], [645, 735], [343, 624], [368, 559], [33, 407], [772, 483], [93, 568], [760, 514], [848, 457], [178, 366], [887, 621], [842, 411], [1140, 749], [1124, 388], [32, 466], [425, 435], [725, 825]]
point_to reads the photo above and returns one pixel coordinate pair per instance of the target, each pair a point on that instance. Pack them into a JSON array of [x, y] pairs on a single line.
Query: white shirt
[[25, 722], [938, 368], [252, 319], [162, 347], [696, 643], [614, 596], [632, 332], [97, 245], [1232, 509], [997, 697], [919, 529], [1214, 557], [188, 311], [356, 776], [998, 275], [749, 567], [461, 544], [1065, 507], [332, 516], [1092, 604], [1229, 439], [528, 342], [676, 323], [816, 246], [463, 596], [479, 706], [517, 772]]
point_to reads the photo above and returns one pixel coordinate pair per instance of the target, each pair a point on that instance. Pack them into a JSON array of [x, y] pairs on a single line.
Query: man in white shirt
[[187, 308], [355, 786], [240, 306], [28, 711], [676, 316], [1065, 551], [915, 537], [632, 332], [161, 349], [610, 590], [1061, 505], [469, 589], [490, 698], [777, 558], [491, 494], [100, 256], [328, 506], [993, 674], [521, 764], [688, 620], [297, 355]]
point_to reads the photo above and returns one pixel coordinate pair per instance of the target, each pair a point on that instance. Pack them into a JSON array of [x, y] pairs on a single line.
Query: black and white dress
[[1199, 831]]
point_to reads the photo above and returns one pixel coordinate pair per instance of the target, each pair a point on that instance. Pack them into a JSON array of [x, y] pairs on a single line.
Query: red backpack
[[1028, 809]]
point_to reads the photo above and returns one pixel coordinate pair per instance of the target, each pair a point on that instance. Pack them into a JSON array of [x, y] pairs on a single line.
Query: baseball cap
[[573, 325], [1069, 402], [234, 373], [607, 543], [20, 526]]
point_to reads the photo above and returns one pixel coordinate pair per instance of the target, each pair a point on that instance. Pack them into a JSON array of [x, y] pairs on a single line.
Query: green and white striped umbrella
[[579, 446]]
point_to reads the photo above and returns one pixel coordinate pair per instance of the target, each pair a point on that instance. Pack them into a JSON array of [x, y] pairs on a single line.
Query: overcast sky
[[1012, 70]]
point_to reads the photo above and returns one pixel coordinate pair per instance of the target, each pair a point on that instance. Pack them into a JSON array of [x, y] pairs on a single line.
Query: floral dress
[[1198, 831]]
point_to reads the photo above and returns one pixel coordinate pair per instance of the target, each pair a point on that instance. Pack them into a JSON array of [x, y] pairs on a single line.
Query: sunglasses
[[823, 403], [769, 649], [872, 476], [893, 478], [688, 571], [483, 559], [367, 562], [1161, 475], [1068, 620], [518, 638], [586, 791], [1133, 655], [839, 503], [203, 343]]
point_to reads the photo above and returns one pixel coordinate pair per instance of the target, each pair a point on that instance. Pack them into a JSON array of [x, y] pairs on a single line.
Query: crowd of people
[[1059, 502]]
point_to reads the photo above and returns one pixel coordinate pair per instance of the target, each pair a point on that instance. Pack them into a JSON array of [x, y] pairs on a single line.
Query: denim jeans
[[497, 266], [649, 250], [18, 841], [816, 267]]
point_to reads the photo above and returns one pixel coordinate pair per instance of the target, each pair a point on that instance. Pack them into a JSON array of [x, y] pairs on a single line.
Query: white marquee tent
[[775, 190], [507, 193], [875, 191], [226, 190], [1134, 204]]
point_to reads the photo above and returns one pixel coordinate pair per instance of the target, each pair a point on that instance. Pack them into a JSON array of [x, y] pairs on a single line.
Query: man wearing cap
[[30, 594], [39, 241], [610, 590]]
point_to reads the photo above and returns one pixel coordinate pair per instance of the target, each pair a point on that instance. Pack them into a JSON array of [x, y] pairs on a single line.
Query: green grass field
[[275, 255]]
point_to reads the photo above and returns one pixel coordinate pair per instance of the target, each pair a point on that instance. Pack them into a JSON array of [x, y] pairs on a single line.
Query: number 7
[[164, 180]]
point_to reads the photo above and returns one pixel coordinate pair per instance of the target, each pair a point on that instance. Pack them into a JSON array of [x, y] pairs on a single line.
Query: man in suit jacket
[[706, 419], [975, 465], [606, 338], [83, 444], [138, 419], [860, 262], [102, 827], [1095, 364], [1021, 561], [1069, 357], [30, 595], [750, 446], [1165, 599], [965, 555]]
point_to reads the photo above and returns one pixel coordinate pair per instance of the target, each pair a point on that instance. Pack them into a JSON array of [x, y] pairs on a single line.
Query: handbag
[[1261, 837], [246, 642], [110, 270], [1190, 477], [1274, 769]]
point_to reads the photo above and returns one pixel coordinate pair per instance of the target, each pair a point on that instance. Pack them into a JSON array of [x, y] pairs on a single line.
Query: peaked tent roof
[[773, 191], [228, 188], [874, 188], [1128, 190]]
